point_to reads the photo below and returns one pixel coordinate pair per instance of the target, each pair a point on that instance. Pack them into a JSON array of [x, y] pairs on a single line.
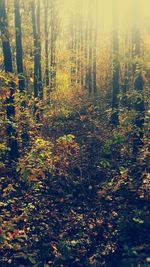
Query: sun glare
[[104, 11]]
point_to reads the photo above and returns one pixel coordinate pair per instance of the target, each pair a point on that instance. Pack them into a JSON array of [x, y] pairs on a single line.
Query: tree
[[38, 87], [46, 44], [126, 77], [81, 48], [38, 20], [35, 39], [76, 47], [19, 51], [73, 48], [136, 44], [10, 108], [138, 79], [95, 53], [86, 55], [89, 70], [115, 78], [53, 36], [19, 61]]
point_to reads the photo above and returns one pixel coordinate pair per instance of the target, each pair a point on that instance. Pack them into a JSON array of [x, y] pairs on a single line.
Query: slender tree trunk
[[125, 85], [19, 63], [40, 84], [136, 43], [78, 53], [53, 46], [35, 39], [19, 52], [76, 49], [86, 56], [10, 109], [73, 60], [81, 49], [90, 51], [138, 80], [46, 47], [115, 79], [95, 53]]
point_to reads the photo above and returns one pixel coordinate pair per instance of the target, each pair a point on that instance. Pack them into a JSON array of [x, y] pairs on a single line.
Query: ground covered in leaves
[[78, 196], [96, 226]]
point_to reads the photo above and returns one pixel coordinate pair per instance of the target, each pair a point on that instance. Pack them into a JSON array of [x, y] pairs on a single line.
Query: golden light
[[104, 10]]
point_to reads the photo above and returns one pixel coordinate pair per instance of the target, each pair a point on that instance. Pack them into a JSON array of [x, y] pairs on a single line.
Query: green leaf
[[32, 260], [138, 220]]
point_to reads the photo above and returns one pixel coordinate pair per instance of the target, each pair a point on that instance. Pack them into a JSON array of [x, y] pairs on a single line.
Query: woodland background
[[74, 90]]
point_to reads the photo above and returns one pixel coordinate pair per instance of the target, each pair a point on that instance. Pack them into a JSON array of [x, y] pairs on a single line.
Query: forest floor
[[98, 227], [55, 224]]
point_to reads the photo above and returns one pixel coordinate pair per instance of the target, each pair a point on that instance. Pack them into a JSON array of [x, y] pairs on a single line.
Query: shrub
[[48, 159]]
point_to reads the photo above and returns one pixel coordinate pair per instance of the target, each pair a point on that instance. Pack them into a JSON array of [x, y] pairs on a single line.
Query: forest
[[74, 133]]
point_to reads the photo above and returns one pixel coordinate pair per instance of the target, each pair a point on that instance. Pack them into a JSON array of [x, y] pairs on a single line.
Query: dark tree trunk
[[138, 80], [125, 85], [5, 38], [19, 63], [46, 46], [10, 109], [38, 86], [19, 51]]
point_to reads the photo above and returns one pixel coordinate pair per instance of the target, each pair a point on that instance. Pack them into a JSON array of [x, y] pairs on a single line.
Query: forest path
[[73, 229]]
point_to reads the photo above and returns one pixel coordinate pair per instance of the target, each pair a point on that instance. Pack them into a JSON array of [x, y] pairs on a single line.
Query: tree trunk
[[89, 75], [138, 80], [81, 49], [35, 39], [40, 85], [86, 56], [19, 63], [125, 85], [115, 79], [73, 55], [19, 52], [136, 44], [46, 47], [53, 46], [10, 109], [94, 53]]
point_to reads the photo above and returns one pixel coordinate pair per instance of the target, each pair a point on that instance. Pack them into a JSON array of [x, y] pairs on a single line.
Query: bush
[[50, 159]]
